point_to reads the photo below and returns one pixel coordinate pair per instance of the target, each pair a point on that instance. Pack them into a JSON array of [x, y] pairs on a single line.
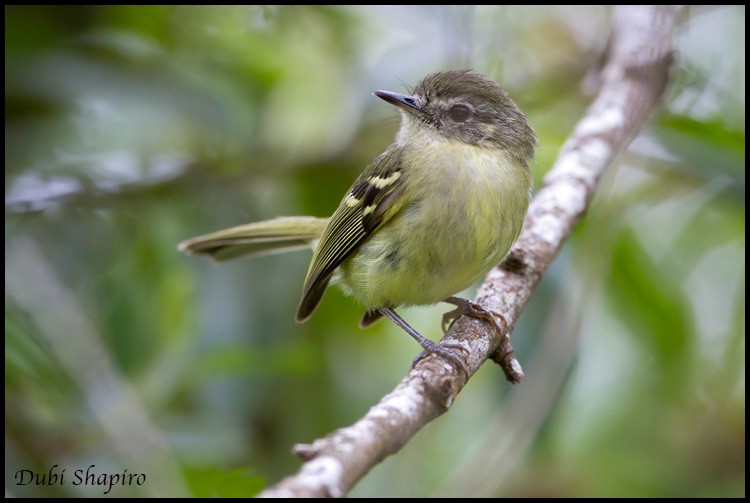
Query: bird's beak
[[408, 103]]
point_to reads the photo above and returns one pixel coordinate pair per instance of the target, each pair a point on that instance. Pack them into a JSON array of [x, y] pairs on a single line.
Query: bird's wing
[[373, 199]]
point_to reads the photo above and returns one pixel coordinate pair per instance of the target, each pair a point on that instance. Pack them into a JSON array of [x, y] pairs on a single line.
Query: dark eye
[[459, 113]]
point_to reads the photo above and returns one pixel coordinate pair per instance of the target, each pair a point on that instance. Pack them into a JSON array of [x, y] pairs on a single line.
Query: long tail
[[277, 235]]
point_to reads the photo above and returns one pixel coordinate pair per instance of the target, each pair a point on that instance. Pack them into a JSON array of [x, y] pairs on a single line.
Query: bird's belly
[[434, 248]]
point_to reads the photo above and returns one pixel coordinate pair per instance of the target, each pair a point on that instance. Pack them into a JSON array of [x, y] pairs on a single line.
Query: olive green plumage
[[429, 216]]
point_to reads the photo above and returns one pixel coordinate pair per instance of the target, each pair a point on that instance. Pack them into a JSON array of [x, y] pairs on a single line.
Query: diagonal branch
[[632, 80]]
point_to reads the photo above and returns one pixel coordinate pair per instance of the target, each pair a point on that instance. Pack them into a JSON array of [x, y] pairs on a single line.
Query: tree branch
[[632, 80]]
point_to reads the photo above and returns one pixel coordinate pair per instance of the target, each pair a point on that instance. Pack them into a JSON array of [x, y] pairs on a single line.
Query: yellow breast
[[463, 211]]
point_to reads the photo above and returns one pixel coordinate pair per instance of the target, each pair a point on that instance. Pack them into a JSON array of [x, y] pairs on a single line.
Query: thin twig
[[632, 80]]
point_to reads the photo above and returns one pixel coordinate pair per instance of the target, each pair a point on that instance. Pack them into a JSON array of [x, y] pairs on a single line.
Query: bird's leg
[[428, 345], [469, 308], [504, 356]]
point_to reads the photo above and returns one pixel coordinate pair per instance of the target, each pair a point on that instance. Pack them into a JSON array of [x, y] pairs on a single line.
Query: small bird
[[439, 208]]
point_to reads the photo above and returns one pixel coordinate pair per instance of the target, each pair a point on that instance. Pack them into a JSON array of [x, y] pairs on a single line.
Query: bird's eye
[[459, 113]]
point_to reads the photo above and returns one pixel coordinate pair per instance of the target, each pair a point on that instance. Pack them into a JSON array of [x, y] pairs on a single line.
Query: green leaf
[[649, 302], [213, 483]]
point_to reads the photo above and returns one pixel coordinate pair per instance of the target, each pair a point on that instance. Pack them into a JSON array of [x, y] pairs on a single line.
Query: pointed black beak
[[408, 103]]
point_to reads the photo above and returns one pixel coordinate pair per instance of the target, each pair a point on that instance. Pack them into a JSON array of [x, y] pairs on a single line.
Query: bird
[[434, 212]]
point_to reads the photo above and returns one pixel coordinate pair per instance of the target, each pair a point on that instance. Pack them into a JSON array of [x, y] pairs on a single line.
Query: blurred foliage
[[128, 129]]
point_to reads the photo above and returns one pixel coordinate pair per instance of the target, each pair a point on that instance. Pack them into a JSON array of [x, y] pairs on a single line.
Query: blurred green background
[[129, 129]]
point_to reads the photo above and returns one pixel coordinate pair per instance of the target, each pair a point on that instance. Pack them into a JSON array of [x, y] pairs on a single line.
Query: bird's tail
[[277, 235]]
